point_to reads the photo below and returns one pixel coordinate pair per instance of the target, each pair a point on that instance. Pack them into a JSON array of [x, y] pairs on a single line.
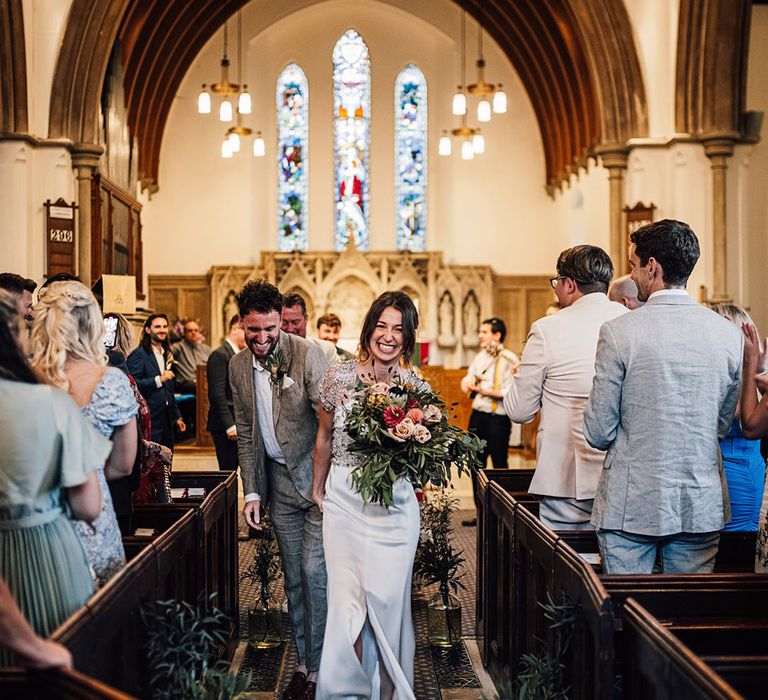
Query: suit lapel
[[285, 347], [153, 359]]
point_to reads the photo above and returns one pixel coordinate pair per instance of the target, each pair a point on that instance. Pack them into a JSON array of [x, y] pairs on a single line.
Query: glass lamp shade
[[204, 102], [500, 101], [234, 142], [467, 152], [226, 149], [244, 102], [225, 111], [459, 103], [478, 144], [484, 111], [259, 148], [444, 146]]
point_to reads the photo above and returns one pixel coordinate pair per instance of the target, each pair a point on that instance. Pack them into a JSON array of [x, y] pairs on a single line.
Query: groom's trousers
[[298, 527]]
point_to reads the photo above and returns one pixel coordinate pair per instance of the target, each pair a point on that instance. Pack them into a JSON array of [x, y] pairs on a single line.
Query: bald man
[[624, 291]]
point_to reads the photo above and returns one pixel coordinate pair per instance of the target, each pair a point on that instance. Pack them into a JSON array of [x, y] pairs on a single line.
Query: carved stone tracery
[[346, 283]]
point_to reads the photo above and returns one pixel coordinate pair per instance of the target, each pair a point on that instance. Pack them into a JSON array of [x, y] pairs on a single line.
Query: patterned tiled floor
[[435, 670]]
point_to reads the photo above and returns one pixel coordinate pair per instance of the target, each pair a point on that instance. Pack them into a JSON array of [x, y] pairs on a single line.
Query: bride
[[369, 549]]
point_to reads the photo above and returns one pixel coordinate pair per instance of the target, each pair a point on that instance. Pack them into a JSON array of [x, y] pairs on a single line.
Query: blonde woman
[[68, 352]]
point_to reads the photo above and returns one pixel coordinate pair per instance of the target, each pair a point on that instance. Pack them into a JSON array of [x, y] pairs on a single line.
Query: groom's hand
[[252, 513]]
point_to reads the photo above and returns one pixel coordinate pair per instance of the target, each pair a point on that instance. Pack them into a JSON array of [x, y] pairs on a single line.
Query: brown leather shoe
[[297, 686], [309, 691]]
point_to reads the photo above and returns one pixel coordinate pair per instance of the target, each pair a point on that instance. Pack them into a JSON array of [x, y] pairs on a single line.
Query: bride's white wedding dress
[[369, 551]]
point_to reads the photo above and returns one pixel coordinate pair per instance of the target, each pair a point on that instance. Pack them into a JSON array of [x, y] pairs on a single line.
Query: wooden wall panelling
[[183, 296], [519, 300]]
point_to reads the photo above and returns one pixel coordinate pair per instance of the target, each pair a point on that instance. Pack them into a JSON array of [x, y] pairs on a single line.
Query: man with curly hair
[[275, 394]]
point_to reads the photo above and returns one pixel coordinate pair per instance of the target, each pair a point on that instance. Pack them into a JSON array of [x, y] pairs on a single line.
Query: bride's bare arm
[[321, 461]]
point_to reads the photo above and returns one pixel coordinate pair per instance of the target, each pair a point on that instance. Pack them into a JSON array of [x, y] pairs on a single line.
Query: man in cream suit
[[667, 380], [275, 393], [555, 376]]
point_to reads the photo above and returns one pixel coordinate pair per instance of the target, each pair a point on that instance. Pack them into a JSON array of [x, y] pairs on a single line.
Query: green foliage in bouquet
[[265, 568], [181, 643], [401, 430]]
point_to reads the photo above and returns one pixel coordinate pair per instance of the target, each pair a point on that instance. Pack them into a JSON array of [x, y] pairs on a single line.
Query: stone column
[[614, 158], [85, 159], [718, 147]]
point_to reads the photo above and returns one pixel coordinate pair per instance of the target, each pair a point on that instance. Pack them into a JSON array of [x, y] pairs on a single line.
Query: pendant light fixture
[[484, 89], [459, 107]]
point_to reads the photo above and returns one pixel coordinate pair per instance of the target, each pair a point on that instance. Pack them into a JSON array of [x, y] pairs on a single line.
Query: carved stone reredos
[[345, 283]]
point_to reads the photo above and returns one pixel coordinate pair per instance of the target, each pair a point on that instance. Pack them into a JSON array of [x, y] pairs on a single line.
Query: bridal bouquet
[[401, 430]]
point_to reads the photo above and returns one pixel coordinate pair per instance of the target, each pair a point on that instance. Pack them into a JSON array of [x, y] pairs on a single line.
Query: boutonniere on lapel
[[169, 359], [275, 365]]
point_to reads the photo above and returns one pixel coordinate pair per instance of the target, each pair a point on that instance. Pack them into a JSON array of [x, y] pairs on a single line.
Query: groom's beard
[[259, 353]]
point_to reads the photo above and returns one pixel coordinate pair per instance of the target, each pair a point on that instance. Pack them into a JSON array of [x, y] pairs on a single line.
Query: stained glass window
[[292, 150], [411, 159], [352, 108]]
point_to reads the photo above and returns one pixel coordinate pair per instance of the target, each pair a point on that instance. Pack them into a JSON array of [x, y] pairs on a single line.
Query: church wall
[[28, 177], [215, 211], [44, 24], [654, 25], [754, 168]]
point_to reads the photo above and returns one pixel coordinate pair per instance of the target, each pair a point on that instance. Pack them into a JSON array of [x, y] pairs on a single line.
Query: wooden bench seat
[[17, 684]]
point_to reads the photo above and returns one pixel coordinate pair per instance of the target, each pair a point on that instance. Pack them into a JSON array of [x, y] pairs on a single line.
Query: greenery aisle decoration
[[438, 562], [541, 675], [265, 621], [182, 644]]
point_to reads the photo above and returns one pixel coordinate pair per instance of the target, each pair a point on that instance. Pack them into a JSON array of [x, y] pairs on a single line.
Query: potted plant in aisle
[[438, 562], [184, 646], [264, 619]]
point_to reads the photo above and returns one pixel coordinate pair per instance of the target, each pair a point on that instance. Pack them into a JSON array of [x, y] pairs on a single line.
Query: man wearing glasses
[[555, 377]]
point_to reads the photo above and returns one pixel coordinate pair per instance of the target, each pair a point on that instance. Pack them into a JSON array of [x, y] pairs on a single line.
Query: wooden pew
[[105, 636], [17, 684], [661, 667], [217, 538]]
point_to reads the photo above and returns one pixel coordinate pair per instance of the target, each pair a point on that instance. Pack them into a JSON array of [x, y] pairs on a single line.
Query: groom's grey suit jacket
[[294, 415], [667, 379]]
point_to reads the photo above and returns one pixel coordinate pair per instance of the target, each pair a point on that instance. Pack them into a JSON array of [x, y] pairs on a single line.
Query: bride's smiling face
[[387, 338]]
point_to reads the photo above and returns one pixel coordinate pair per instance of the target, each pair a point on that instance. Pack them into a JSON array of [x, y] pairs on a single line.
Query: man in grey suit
[[275, 393], [666, 385]]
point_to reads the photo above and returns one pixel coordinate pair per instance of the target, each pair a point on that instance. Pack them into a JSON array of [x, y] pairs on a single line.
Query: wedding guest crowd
[[623, 375]]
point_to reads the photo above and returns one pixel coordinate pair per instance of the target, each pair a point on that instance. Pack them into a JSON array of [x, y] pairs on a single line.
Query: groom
[[275, 392]]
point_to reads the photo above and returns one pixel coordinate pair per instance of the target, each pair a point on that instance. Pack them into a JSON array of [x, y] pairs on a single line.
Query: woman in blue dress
[[743, 463], [68, 352]]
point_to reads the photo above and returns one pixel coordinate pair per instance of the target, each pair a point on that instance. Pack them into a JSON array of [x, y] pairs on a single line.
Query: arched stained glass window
[[352, 108], [411, 159], [292, 151]]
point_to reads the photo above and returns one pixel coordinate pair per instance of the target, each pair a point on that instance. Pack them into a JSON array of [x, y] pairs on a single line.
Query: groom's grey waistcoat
[[667, 380], [294, 415]]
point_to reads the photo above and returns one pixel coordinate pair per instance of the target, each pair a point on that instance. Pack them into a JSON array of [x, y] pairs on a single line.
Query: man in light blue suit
[[666, 386]]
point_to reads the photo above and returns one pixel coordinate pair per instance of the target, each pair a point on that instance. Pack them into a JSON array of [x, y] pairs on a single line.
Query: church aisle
[[454, 674]]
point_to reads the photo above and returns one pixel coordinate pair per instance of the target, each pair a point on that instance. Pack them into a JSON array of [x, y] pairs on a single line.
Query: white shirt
[[491, 374], [160, 357], [674, 291], [263, 388]]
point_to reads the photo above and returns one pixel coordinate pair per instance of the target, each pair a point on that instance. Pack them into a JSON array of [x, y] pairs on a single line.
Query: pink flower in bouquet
[[421, 434], [379, 388], [432, 414], [415, 414], [403, 430], [393, 415]]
